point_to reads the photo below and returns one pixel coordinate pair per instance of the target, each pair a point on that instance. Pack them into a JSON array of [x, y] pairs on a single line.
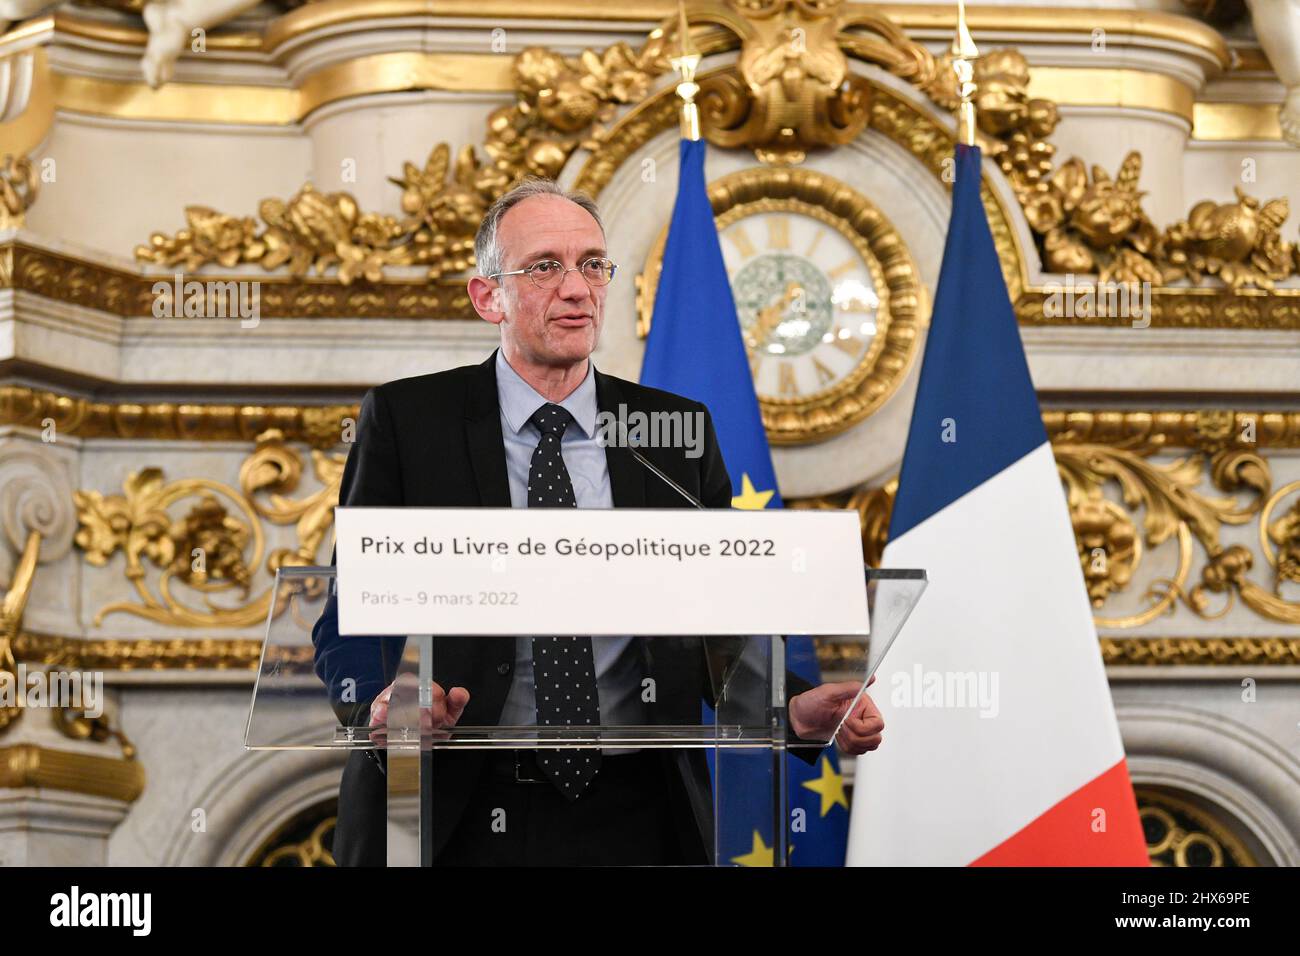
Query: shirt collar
[[519, 399]]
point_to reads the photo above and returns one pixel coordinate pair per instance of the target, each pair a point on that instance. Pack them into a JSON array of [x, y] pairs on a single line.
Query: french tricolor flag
[[1001, 746]]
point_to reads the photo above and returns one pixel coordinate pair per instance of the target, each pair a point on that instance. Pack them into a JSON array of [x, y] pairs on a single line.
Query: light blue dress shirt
[[618, 663]]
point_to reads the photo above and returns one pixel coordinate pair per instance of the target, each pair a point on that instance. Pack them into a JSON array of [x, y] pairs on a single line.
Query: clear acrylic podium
[[738, 722]]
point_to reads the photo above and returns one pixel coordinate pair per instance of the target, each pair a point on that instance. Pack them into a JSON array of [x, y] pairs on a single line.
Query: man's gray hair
[[487, 251]]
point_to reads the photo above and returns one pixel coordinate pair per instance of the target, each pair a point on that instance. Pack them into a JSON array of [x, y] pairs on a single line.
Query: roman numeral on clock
[[845, 343], [737, 236], [778, 232], [786, 383]]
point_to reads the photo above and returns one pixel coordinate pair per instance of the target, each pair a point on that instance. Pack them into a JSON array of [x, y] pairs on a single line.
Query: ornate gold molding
[[244, 654], [561, 105], [1235, 123], [27, 101], [320, 426], [176, 102], [11, 619], [1150, 25], [780, 99], [65, 278], [317, 231], [1099, 226], [1153, 652], [217, 546], [30, 765], [889, 114], [564, 103], [1095, 450], [1110, 545], [19, 186], [1171, 308], [1208, 430], [1113, 86], [1201, 651], [140, 653], [401, 71]]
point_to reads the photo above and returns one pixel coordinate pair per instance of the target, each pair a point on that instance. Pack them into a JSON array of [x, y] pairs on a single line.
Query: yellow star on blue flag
[[829, 786], [749, 498], [760, 854]]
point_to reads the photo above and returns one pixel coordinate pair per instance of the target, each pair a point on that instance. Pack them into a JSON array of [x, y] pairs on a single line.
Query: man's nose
[[574, 286]]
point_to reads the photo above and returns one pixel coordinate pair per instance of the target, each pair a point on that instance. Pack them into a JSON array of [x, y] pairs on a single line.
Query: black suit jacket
[[435, 441]]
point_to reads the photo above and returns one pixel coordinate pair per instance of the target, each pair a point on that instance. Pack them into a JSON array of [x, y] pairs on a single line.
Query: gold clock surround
[[902, 313]]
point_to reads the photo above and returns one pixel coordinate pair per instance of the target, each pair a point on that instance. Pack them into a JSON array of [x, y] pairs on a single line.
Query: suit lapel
[[487, 451], [626, 475]]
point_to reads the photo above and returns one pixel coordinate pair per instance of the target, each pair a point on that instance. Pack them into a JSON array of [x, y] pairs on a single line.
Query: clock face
[[806, 299], [828, 298]]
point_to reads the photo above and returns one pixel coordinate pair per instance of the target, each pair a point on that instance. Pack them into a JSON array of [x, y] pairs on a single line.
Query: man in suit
[[487, 435]]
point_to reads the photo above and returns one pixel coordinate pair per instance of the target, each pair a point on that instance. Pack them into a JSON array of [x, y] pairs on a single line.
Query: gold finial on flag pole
[[685, 63], [963, 52]]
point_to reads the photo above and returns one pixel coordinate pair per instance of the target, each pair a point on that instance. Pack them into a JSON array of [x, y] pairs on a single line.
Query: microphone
[[656, 470]]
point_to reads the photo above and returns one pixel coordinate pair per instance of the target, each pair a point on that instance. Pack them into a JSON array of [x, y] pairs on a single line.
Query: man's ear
[[487, 296]]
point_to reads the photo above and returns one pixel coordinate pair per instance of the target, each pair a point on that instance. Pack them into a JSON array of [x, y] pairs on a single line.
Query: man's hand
[[816, 713], [442, 715]]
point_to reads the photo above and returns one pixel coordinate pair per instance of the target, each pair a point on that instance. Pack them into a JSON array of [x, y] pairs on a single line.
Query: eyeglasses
[[548, 273]]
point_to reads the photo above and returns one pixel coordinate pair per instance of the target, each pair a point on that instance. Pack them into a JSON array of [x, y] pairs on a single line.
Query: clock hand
[[770, 317]]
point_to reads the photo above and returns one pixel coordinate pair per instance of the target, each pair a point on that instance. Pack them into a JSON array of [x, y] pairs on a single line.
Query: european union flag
[[695, 349]]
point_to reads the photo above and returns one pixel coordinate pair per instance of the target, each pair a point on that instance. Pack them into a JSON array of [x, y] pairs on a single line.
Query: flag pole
[[963, 52], [686, 63]]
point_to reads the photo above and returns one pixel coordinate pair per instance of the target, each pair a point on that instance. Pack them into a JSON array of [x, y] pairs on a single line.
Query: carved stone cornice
[[1152, 26]]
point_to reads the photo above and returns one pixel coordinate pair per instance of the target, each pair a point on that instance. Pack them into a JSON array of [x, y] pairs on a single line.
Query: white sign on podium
[[649, 571]]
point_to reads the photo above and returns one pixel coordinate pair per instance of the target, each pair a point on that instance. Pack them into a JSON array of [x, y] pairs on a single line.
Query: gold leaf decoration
[[218, 544], [19, 186], [1112, 540], [562, 104]]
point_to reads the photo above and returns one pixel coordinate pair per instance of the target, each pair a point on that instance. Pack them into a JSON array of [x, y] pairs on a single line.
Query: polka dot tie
[[564, 668]]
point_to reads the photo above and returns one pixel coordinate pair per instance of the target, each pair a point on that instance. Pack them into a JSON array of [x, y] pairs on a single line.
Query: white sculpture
[[171, 26], [1277, 26]]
